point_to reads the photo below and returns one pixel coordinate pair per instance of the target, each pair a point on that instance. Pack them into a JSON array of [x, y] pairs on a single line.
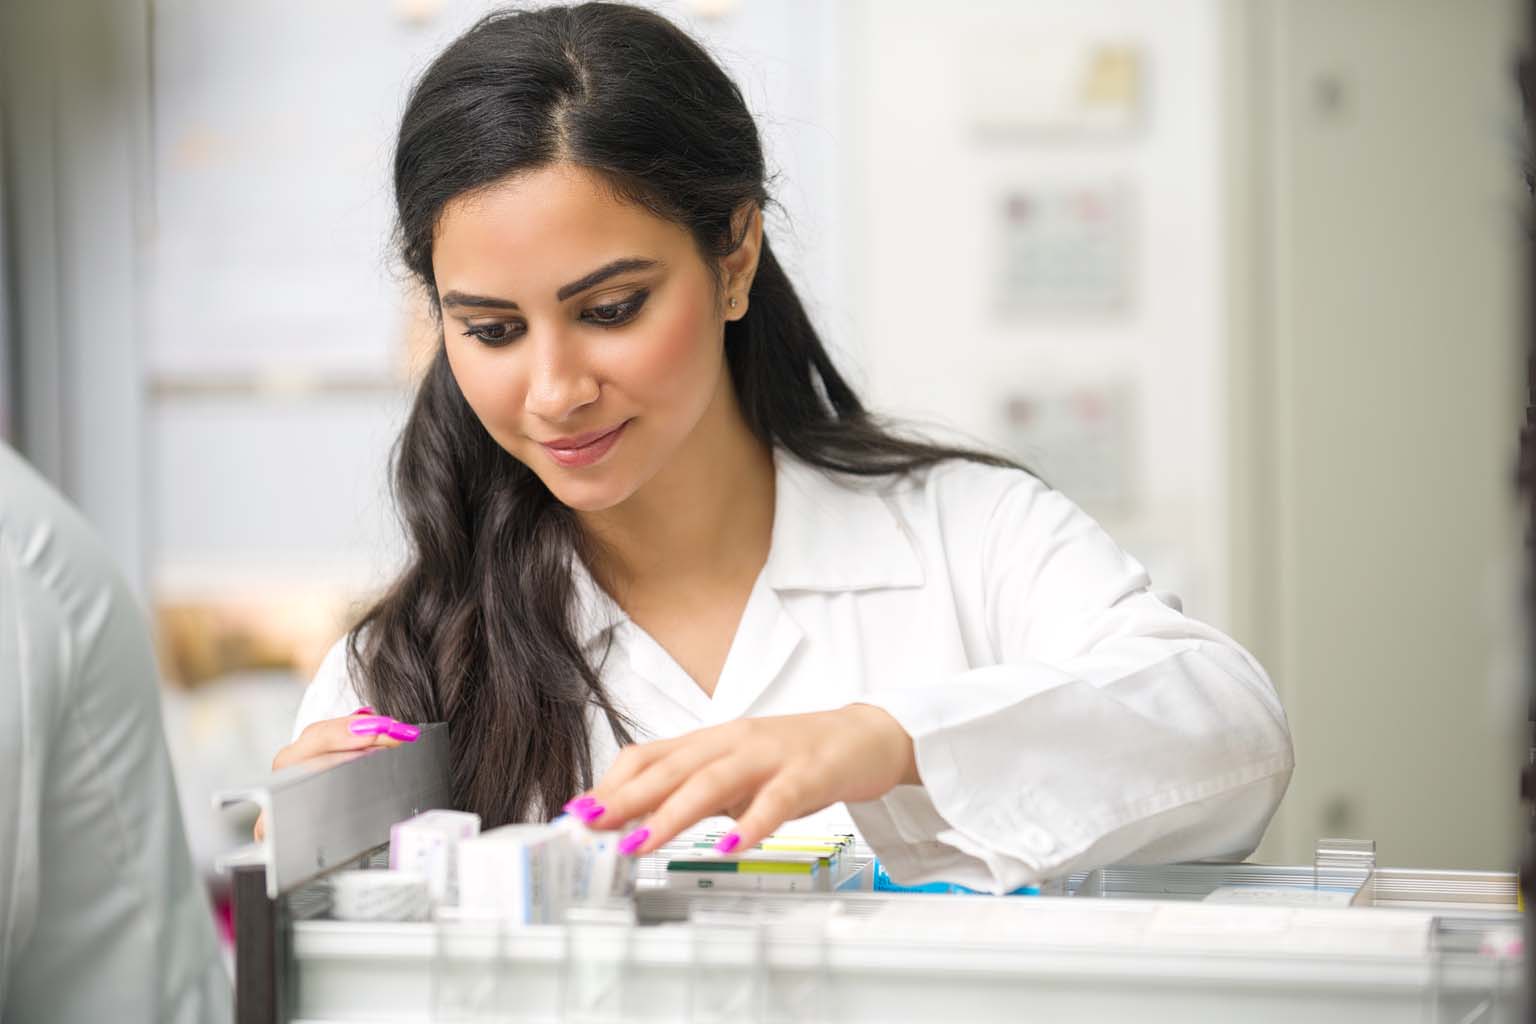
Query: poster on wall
[[271, 261], [1063, 249], [1079, 439], [1046, 85]]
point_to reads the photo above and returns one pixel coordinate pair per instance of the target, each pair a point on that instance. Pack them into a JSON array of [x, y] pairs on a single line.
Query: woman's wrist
[[893, 739]]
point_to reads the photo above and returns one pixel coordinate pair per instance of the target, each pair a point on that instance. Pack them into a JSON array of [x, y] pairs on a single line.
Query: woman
[[657, 541]]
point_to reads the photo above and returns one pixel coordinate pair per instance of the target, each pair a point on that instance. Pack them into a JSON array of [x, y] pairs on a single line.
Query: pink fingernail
[[632, 842], [365, 710], [403, 731], [370, 726], [577, 804], [728, 842], [590, 813]]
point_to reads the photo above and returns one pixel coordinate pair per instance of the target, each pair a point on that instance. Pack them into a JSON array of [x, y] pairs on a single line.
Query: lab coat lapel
[[651, 662], [765, 640], [596, 614], [827, 536]]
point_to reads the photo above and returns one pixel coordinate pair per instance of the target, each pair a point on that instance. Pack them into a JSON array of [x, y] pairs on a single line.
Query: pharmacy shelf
[[910, 958], [1338, 940]]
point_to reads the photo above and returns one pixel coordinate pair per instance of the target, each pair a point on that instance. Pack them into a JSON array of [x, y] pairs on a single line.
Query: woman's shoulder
[[332, 693], [953, 510], [951, 478], [954, 505], [962, 492]]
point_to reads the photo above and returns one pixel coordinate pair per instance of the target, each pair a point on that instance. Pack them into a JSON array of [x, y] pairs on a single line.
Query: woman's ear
[[740, 265]]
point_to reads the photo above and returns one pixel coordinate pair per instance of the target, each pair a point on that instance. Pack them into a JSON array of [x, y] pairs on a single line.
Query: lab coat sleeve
[[1111, 729], [24, 724], [331, 694], [102, 916]]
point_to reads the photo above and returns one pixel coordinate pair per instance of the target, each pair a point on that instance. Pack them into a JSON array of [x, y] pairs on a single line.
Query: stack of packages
[[442, 865], [780, 863], [531, 874]]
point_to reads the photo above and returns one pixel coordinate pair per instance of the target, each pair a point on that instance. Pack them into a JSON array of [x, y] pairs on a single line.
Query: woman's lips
[[584, 449]]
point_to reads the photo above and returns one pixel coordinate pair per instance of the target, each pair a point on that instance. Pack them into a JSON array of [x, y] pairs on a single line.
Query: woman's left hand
[[760, 771]]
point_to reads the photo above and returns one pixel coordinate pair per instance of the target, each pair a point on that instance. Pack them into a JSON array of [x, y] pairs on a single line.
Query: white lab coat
[[101, 916], [1063, 716]]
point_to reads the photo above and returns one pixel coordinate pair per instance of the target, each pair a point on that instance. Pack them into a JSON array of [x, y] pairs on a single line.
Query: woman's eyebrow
[[598, 276], [603, 273], [477, 301]]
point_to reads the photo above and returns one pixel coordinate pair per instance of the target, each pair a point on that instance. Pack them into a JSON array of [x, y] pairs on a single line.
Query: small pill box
[[379, 896]]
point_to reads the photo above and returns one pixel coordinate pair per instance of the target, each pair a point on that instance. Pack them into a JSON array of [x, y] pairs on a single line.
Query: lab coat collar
[[830, 533], [595, 612]]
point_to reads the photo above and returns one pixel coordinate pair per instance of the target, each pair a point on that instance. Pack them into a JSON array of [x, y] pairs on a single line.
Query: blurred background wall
[[1237, 275]]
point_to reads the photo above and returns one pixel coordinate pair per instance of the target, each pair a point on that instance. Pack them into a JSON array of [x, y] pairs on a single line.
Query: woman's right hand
[[332, 740]]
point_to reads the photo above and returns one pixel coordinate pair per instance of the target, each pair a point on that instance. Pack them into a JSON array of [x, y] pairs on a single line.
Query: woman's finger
[[719, 784], [630, 762], [782, 798], [364, 728], [354, 732], [644, 790]]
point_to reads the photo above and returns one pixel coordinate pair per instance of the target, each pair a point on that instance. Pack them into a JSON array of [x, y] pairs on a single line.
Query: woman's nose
[[561, 382]]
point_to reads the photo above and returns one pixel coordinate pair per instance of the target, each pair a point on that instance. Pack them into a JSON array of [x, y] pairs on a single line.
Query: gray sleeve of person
[[101, 914]]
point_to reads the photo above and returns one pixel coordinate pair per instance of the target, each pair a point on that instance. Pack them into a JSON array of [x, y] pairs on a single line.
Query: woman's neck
[[707, 515]]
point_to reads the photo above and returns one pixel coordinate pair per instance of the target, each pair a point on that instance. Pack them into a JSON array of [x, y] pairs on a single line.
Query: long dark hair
[[478, 629]]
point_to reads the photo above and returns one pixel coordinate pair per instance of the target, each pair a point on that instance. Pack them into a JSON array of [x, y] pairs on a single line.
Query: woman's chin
[[588, 495]]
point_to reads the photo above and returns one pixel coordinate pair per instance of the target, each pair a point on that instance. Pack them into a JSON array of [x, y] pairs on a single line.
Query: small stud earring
[[733, 302]]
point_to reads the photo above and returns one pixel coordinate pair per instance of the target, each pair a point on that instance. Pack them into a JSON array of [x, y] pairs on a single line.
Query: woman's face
[[586, 333]]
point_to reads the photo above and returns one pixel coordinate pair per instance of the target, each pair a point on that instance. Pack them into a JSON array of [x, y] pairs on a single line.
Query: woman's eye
[[611, 314], [492, 334]]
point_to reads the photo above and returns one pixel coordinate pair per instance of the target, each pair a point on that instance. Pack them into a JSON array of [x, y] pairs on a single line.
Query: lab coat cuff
[[943, 718], [915, 846], [943, 825]]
